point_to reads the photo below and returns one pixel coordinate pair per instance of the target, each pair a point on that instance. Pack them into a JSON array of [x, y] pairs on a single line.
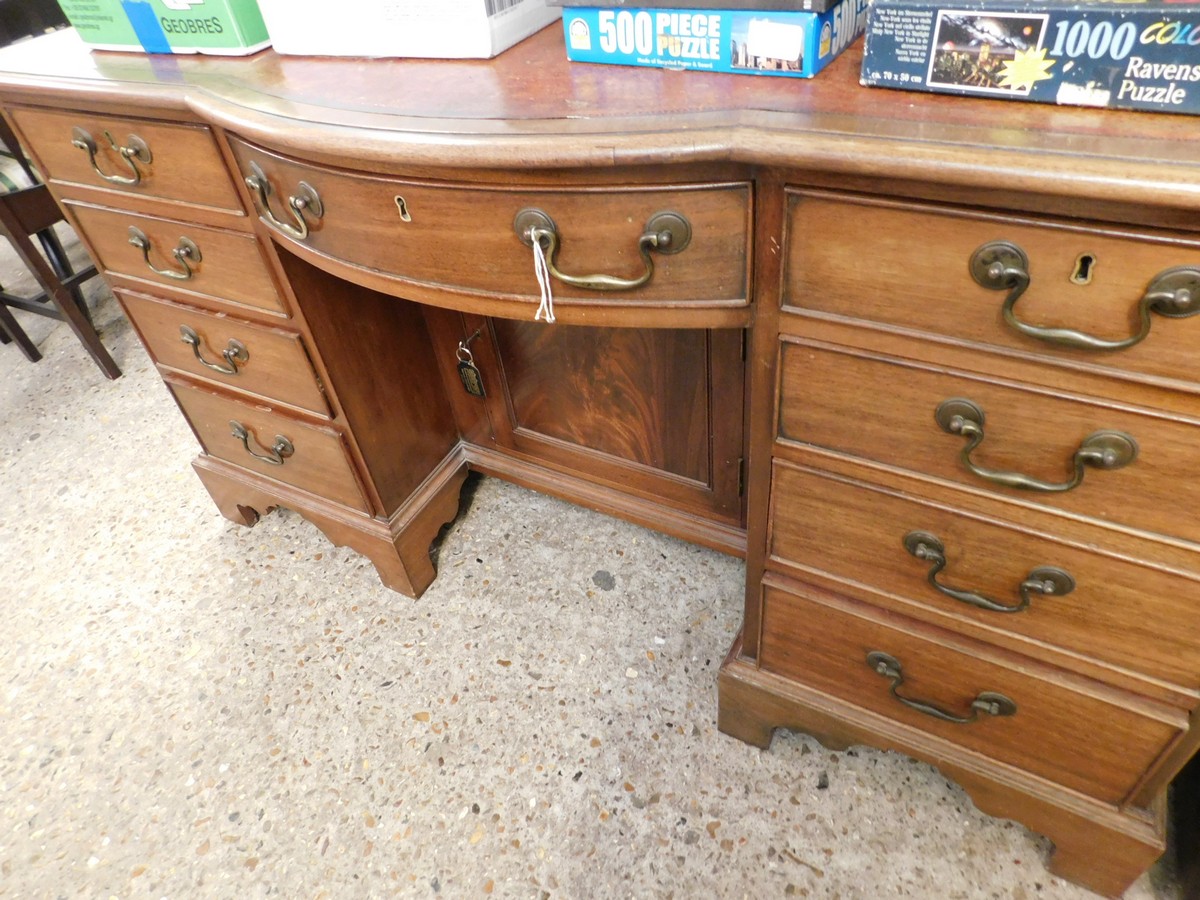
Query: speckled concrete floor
[[194, 709]]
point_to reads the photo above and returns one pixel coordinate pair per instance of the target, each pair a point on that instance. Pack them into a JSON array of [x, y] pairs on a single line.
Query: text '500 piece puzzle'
[[750, 42]]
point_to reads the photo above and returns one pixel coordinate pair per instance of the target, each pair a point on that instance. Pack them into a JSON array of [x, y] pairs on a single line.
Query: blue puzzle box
[[748, 42]]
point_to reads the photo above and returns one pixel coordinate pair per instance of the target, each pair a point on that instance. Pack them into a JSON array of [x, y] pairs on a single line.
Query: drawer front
[[883, 409], [908, 266], [316, 460], [179, 162], [438, 234], [1113, 610], [1096, 743], [269, 362], [229, 267]]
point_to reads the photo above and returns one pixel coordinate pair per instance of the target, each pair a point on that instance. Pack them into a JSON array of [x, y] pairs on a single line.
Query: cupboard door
[[654, 412]]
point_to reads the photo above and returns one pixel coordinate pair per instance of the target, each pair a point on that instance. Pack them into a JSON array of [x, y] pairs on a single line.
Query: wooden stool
[[29, 212]]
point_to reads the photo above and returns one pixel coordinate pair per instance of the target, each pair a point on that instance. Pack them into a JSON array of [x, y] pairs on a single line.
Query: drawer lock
[[1003, 266], [1048, 581], [1100, 450], [987, 703]]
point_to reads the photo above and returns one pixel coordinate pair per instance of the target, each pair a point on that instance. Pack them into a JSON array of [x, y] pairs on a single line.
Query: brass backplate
[[529, 219], [957, 407], [1183, 284], [1060, 582], [983, 263], [915, 540], [1117, 449], [675, 226]]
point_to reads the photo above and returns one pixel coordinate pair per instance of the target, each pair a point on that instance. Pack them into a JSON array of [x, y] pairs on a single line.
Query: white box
[[441, 29]]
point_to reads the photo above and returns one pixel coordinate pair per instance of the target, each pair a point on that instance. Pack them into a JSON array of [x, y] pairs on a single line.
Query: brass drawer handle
[[135, 151], [1002, 265], [1048, 581], [987, 703], [666, 233], [235, 351], [280, 450], [186, 252], [305, 200], [1100, 450]]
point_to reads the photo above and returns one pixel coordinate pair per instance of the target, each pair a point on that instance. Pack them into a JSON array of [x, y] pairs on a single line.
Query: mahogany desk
[[926, 362]]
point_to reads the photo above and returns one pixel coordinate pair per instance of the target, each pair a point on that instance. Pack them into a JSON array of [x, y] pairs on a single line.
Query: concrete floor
[[195, 709]]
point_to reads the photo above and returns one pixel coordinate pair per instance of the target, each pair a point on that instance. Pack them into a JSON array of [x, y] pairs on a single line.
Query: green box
[[226, 27]]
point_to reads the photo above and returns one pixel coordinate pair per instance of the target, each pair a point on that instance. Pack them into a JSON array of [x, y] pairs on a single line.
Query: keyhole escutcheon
[[1085, 267]]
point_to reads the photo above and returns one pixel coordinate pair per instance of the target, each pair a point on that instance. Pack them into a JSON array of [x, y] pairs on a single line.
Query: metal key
[[468, 372]]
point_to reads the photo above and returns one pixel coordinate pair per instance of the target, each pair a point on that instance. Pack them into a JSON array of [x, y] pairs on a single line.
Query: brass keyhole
[[1085, 266], [402, 205]]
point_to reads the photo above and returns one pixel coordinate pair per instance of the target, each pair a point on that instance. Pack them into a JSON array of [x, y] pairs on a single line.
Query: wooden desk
[[850, 290]]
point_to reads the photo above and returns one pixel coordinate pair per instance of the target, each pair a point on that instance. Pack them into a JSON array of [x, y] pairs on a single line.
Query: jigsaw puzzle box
[[225, 27], [776, 5], [1073, 52], [754, 42]]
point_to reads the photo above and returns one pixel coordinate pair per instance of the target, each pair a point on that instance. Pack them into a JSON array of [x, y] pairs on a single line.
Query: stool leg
[[66, 305], [61, 264], [11, 331], [85, 331]]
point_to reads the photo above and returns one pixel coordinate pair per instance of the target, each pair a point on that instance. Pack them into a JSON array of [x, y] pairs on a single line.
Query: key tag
[[468, 372]]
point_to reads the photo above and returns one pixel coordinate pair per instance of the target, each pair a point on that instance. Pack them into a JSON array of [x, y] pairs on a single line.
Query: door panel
[[657, 412]]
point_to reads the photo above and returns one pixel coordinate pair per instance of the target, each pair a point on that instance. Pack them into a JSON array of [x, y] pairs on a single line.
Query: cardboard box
[[1123, 55], [442, 29], [753, 42], [225, 27]]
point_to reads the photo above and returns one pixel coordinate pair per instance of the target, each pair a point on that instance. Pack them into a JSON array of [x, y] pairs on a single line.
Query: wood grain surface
[[276, 367], [825, 646]]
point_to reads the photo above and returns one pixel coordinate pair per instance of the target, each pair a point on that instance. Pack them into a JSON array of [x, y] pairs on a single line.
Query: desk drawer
[[1076, 734], [882, 409], [269, 362], [907, 265], [310, 457], [1123, 614], [230, 265], [438, 234], [179, 162]]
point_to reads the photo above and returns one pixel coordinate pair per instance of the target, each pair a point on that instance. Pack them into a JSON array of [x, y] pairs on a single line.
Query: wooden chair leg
[[29, 211], [84, 330], [11, 331], [61, 264], [61, 297]]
